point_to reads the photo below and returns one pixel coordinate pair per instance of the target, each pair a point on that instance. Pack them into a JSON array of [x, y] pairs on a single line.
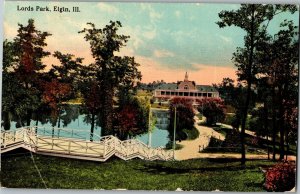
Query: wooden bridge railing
[[40, 140]]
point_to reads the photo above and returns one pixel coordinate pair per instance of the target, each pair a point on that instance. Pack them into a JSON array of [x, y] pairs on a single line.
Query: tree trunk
[[58, 122], [6, 120], [244, 119], [92, 127], [28, 118], [37, 119], [107, 114], [249, 83], [281, 125], [274, 123]]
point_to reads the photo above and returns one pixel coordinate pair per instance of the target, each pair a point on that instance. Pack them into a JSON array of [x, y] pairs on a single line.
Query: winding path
[[191, 148]]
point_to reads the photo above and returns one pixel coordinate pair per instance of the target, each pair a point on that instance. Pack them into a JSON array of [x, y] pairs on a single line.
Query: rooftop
[[173, 86]]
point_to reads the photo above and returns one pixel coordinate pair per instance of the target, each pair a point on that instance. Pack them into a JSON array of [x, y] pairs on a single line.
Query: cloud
[[162, 53], [105, 7], [204, 75], [153, 15]]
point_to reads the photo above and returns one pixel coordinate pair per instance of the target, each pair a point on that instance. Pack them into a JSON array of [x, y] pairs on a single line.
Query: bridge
[[70, 143]]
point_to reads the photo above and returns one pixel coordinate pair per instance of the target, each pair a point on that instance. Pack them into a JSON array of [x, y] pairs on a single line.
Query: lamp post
[[149, 127], [174, 142]]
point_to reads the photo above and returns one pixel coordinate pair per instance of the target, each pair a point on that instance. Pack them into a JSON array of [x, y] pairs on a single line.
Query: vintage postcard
[[149, 96]]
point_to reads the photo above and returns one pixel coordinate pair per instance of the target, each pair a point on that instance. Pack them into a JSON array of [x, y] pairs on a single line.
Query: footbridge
[[71, 143]]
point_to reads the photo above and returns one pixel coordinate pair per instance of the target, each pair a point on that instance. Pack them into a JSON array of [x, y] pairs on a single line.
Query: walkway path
[[191, 147]]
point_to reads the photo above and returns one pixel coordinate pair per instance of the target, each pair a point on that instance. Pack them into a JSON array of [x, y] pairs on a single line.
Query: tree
[[58, 84], [91, 91], [23, 57], [10, 86], [54, 94], [212, 109], [279, 69], [68, 70], [131, 119], [254, 19], [111, 70], [184, 117], [234, 95]]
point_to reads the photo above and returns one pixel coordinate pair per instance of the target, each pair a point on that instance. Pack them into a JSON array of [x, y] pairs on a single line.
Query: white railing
[[40, 140]]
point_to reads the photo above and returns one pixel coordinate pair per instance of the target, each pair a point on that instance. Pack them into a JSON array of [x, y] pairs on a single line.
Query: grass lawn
[[198, 174]]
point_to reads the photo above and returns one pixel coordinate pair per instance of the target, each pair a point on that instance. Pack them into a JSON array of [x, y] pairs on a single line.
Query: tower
[[186, 77]]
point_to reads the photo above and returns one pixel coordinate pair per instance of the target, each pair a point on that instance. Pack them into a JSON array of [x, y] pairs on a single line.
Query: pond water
[[78, 126]]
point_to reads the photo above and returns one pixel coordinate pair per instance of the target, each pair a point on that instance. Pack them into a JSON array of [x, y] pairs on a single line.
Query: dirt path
[[191, 147]]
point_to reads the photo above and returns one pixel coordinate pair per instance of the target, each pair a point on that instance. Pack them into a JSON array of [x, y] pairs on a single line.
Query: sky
[[166, 39]]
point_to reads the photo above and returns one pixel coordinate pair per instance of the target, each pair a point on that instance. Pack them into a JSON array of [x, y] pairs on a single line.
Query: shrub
[[184, 117], [212, 109], [191, 133], [280, 177]]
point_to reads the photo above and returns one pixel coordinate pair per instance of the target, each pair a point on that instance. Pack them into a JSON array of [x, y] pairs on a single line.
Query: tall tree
[[279, 66], [25, 65], [111, 70], [10, 85], [254, 20], [90, 89]]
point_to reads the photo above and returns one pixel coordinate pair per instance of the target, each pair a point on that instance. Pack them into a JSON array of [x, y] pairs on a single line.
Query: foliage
[[184, 117], [281, 177], [260, 123], [127, 120], [132, 118], [191, 133], [111, 72], [212, 109], [68, 70], [234, 95], [23, 57], [232, 139], [254, 20], [54, 94]]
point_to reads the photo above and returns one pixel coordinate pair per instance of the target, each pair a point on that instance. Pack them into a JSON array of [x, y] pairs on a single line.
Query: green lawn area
[[197, 175]]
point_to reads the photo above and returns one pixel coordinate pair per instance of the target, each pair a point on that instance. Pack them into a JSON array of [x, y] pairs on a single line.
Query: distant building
[[186, 89]]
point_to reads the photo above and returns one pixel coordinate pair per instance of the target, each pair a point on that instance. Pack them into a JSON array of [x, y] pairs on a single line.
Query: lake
[[77, 125]]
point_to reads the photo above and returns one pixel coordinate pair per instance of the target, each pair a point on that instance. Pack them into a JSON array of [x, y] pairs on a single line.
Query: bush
[[184, 117], [212, 109], [281, 177], [229, 119], [169, 146], [191, 133]]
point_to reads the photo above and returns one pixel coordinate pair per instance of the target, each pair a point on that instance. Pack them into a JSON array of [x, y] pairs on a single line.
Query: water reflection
[[76, 123]]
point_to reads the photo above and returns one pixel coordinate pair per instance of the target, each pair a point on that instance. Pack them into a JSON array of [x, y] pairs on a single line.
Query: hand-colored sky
[[167, 39]]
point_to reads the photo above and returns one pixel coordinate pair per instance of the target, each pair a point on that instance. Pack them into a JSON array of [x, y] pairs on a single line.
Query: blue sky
[[166, 38]]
